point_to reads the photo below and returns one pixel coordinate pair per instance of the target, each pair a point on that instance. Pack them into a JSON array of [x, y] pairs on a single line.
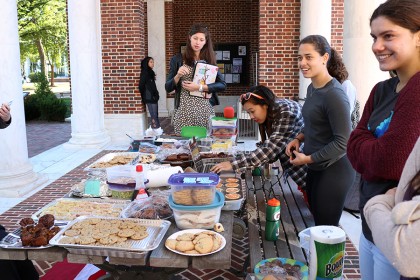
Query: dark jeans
[[327, 190], [153, 110], [16, 270]]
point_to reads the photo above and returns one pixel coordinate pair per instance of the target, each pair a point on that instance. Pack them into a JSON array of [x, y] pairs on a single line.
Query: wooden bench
[[294, 217]]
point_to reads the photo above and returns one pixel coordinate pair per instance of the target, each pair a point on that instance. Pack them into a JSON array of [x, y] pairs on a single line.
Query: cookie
[[192, 252], [232, 190], [233, 196], [217, 242], [185, 237], [184, 246], [232, 185], [93, 221], [126, 232], [139, 235], [183, 197], [171, 243], [71, 232], [67, 240], [204, 245], [109, 240], [232, 180], [85, 240], [100, 234]]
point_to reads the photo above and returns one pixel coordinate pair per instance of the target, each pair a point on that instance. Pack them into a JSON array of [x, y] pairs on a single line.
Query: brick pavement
[[43, 136]]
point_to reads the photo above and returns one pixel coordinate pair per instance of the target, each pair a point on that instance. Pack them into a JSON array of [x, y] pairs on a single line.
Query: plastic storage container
[[193, 188], [225, 131], [197, 217]]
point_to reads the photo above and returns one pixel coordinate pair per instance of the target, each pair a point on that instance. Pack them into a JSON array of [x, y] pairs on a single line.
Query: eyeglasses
[[246, 96]]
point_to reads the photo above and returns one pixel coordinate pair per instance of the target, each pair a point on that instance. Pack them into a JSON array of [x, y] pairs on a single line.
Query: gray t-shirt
[[326, 114]]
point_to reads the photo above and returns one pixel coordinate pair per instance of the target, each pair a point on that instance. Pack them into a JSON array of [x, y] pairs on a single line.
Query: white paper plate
[[194, 231]]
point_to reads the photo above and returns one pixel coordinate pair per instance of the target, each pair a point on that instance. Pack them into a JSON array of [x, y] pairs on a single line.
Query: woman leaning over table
[[394, 218], [326, 114], [279, 122], [192, 110], [390, 124]]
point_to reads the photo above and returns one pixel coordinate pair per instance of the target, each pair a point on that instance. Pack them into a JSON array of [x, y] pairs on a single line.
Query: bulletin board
[[232, 60]]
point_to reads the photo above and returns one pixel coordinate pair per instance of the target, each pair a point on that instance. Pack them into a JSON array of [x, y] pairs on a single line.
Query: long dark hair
[[206, 53], [335, 64], [404, 13], [338, 69], [270, 101], [145, 68], [413, 188]]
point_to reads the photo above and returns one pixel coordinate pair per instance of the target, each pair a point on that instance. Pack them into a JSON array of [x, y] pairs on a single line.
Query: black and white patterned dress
[[192, 110]]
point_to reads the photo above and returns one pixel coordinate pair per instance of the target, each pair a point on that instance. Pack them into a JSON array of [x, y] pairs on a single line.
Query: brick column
[[16, 173], [87, 120], [360, 62], [315, 20]]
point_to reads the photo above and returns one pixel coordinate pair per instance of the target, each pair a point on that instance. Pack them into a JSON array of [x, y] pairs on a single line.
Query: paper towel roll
[[326, 258], [159, 177]]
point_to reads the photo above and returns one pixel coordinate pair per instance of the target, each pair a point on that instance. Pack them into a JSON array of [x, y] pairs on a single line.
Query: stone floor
[[64, 168]]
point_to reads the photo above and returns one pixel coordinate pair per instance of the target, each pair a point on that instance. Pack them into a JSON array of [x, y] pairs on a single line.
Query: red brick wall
[[123, 46], [271, 28], [337, 20], [279, 37]]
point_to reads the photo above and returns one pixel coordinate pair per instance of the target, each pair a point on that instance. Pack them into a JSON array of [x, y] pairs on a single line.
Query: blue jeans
[[153, 110], [373, 264]]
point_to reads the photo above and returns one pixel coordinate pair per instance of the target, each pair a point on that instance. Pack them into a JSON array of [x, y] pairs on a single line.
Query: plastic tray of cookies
[[75, 207], [107, 236], [113, 159]]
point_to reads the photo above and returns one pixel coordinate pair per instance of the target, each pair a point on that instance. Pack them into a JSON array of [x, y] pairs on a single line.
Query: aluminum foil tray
[[155, 228], [116, 204], [109, 157]]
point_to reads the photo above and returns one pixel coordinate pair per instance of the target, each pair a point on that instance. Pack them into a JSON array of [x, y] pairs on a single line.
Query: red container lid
[[273, 202]]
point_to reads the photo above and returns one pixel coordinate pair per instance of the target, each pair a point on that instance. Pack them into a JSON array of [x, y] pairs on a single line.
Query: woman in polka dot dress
[[191, 110]]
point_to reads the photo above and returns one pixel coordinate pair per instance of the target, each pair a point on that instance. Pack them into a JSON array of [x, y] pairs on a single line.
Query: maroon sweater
[[383, 158]]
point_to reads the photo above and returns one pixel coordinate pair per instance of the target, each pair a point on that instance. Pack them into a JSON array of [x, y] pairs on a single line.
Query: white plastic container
[[198, 217]]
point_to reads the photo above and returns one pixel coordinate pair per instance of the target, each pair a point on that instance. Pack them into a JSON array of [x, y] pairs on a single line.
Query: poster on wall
[[241, 50], [237, 65], [226, 55], [219, 55], [228, 78], [228, 68], [236, 78]]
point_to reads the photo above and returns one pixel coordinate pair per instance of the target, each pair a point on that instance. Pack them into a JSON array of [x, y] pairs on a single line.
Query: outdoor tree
[[43, 32]]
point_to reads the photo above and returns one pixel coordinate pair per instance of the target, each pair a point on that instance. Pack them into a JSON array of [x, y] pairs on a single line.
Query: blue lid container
[[193, 188]]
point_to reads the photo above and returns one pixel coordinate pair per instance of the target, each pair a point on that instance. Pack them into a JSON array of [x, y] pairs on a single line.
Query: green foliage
[[31, 108], [42, 87], [67, 101], [35, 77], [42, 30], [44, 105]]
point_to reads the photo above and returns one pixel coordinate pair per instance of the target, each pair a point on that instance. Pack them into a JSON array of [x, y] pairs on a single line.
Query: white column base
[[118, 125], [17, 185], [88, 140]]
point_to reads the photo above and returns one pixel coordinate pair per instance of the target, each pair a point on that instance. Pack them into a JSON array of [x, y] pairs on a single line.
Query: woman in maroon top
[[390, 124]]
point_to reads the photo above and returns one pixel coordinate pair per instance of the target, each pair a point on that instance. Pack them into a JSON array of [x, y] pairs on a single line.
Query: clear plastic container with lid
[[193, 188], [201, 217]]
